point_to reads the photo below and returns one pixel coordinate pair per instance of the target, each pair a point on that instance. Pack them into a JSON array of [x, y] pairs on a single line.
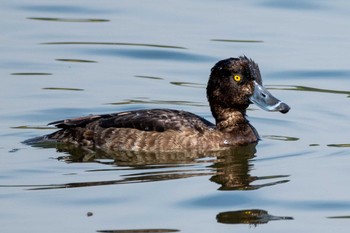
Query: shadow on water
[[229, 168]]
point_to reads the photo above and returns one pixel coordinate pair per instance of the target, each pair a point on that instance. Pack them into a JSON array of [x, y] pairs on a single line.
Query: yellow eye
[[237, 78]]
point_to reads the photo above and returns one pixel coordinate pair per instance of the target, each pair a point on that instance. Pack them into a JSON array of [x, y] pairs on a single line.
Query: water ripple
[[62, 89], [156, 230], [70, 20], [75, 60], [316, 74], [237, 41], [305, 88], [280, 138], [189, 84], [153, 54], [160, 102], [115, 43], [159, 51], [294, 5], [148, 77], [64, 9], [30, 73]]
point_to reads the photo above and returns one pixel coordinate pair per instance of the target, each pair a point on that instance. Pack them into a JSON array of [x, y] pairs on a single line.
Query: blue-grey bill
[[265, 100]]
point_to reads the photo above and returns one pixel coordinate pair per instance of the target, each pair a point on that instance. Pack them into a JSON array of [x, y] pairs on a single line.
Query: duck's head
[[235, 83]]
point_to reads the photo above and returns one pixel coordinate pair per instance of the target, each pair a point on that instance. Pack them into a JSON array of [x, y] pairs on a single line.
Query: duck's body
[[233, 84], [154, 129]]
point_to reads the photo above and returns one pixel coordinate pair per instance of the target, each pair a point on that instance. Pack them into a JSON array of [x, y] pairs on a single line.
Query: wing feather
[[158, 120]]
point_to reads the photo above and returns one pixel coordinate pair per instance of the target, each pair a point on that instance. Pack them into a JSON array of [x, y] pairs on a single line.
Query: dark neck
[[228, 118]]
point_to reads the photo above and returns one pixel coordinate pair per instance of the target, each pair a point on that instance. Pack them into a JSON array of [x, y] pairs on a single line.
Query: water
[[62, 59]]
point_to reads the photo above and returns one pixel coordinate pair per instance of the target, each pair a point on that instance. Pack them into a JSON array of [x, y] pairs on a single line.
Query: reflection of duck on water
[[251, 216], [229, 168], [234, 83], [233, 170]]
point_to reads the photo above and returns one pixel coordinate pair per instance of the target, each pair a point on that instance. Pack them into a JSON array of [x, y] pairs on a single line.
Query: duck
[[234, 84]]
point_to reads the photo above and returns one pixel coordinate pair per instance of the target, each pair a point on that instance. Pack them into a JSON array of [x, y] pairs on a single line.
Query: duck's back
[[162, 129]]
